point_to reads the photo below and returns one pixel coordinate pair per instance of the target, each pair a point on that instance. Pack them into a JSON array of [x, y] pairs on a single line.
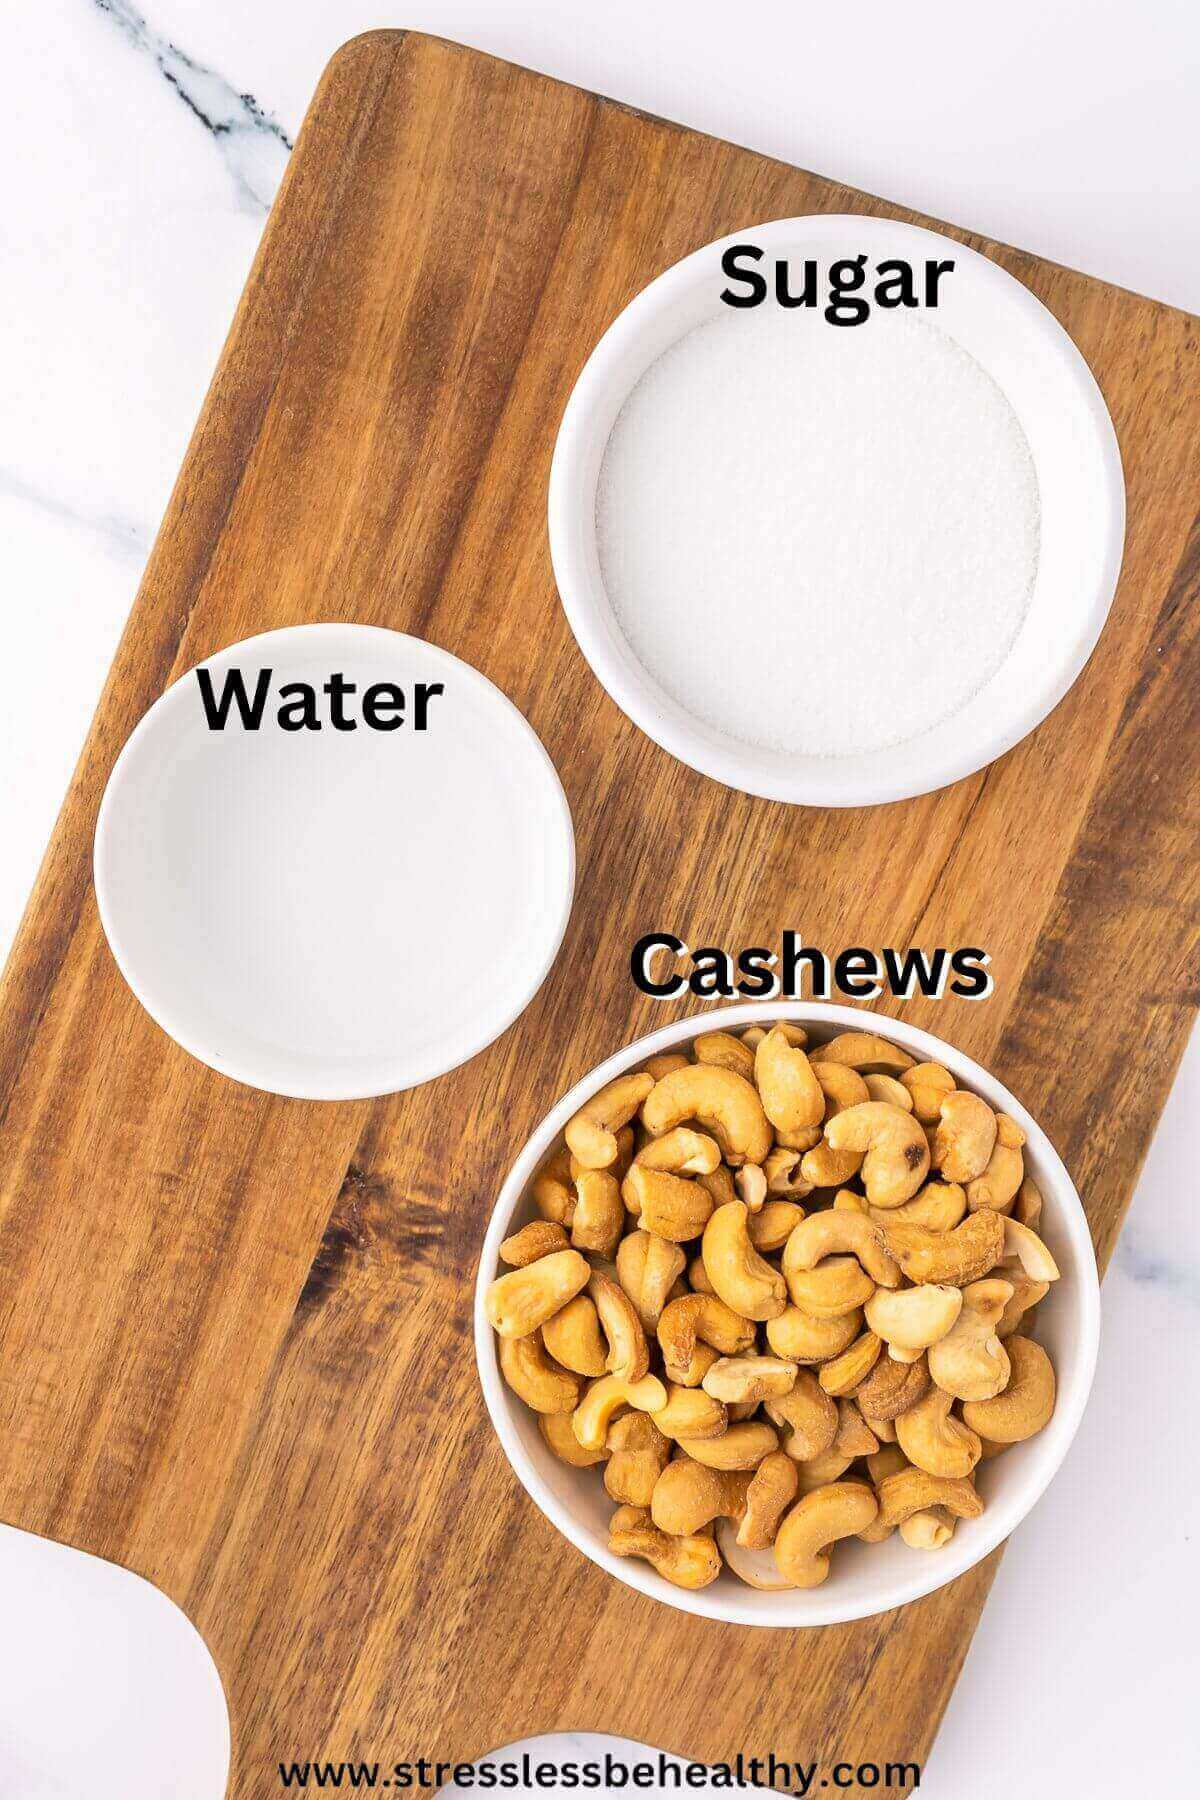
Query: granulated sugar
[[819, 540]]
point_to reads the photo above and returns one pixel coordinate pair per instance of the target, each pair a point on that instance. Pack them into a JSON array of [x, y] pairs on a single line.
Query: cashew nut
[[836, 1232], [886, 1462], [574, 1338], [989, 1298], [751, 1184], [837, 1286], [690, 1413], [669, 1205], [599, 1213], [541, 1237], [842, 1374], [1027, 1248], [934, 1441], [519, 1303], [839, 1510], [538, 1380], [697, 1279], [854, 1435], [928, 1084], [1026, 1293], [723, 1102], [1000, 1182], [880, 1465], [842, 1087], [558, 1434], [916, 1317], [802, 1139], [680, 1152], [703, 1316], [810, 1415], [795, 1034], [592, 1134], [719, 1185], [648, 1268], [965, 1136], [939, 1206], [913, 1490], [890, 1389], [782, 1170], [773, 1224], [628, 1351], [769, 1492], [664, 1063], [805, 1339], [930, 1529], [1027, 1207], [687, 1562], [740, 1379], [738, 1273], [819, 1471], [625, 1147], [552, 1192], [862, 1050], [741, 1447], [757, 1568], [596, 1411], [897, 1154], [787, 1084], [638, 1454], [1025, 1405], [688, 1496], [958, 1256], [970, 1362], [703, 1358], [886, 1087], [724, 1051]]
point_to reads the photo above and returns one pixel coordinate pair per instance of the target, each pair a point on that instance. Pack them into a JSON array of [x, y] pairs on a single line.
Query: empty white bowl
[[1030, 357], [339, 913], [864, 1579]]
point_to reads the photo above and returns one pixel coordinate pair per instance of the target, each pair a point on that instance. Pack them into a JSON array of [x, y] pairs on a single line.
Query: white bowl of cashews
[[843, 1576]]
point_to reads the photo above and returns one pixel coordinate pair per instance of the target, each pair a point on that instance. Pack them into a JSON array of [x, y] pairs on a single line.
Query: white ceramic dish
[[335, 914], [1012, 336], [864, 1579]]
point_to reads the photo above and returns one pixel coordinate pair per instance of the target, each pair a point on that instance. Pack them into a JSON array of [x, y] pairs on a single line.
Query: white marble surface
[[140, 171], [106, 1683]]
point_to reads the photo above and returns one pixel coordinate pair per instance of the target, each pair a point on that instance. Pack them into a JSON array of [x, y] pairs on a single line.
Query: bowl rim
[[388, 1074], [822, 1605], [737, 768]]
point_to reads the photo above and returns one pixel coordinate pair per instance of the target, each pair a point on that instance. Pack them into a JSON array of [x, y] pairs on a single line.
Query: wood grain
[[234, 1346]]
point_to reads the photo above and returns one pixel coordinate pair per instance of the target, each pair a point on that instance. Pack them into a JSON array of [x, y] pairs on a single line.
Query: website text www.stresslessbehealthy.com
[[607, 1773]]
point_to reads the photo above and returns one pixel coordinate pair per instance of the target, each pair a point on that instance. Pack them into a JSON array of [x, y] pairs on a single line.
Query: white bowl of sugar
[[832, 544]]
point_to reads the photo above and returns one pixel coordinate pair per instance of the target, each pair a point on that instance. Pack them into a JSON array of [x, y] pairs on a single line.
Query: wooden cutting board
[[234, 1330]]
